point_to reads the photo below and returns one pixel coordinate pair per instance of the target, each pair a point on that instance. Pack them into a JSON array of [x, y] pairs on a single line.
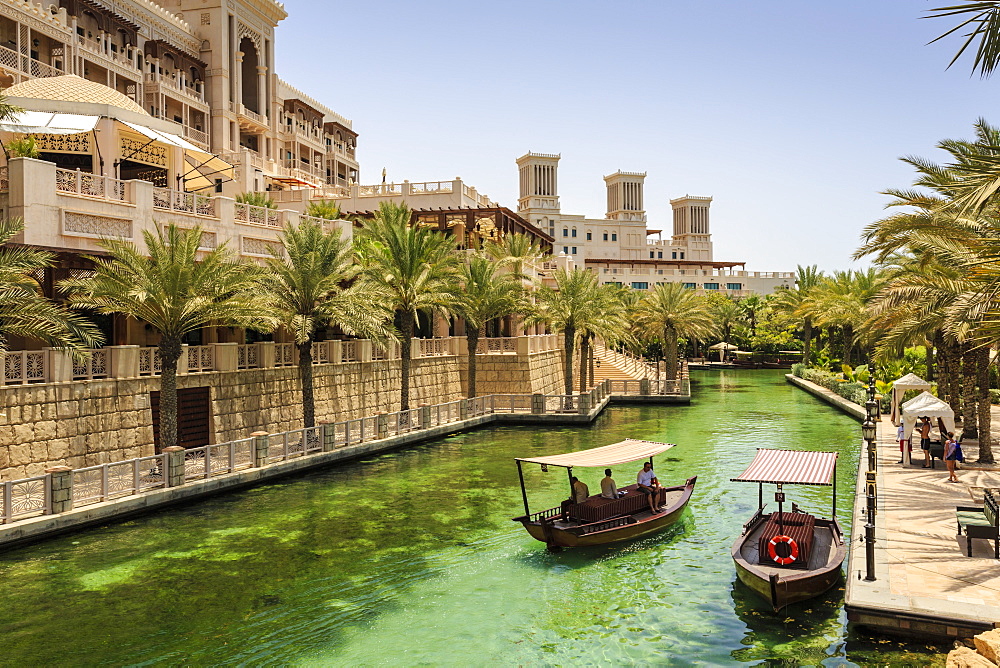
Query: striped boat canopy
[[791, 467], [628, 450]]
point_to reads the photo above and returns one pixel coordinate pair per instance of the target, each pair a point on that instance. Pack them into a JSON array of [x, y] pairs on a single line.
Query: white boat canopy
[[910, 381], [626, 451], [44, 122], [790, 467]]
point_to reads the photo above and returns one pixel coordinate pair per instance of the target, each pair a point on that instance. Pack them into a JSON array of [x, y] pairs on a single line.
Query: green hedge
[[849, 390]]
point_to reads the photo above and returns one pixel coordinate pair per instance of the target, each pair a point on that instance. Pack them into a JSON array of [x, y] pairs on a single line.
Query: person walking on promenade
[[952, 452], [901, 437], [925, 440]]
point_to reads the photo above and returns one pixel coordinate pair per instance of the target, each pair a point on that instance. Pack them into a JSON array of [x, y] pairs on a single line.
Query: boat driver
[[649, 485], [580, 490]]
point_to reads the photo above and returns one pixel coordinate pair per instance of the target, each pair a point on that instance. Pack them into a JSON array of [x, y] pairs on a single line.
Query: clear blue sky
[[792, 114]]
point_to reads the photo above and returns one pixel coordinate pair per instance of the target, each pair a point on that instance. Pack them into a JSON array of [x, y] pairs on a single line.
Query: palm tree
[[175, 292], [412, 269], [565, 308], [841, 301], [24, 310], [727, 315], [798, 303], [327, 209], [310, 288], [485, 293], [515, 251], [670, 310], [983, 25], [607, 318]]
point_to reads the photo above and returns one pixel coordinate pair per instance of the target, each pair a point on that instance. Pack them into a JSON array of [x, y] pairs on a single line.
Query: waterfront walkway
[[926, 585]]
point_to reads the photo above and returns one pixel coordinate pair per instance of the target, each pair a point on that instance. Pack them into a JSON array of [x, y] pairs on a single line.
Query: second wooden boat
[[788, 557]]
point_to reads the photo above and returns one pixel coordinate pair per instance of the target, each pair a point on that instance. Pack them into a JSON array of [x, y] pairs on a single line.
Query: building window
[[574, 232], [689, 286], [614, 237], [565, 232], [574, 250], [711, 286], [605, 236], [566, 250], [682, 255], [734, 286], [640, 286], [589, 236], [659, 255], [673, 256], [650, 255]]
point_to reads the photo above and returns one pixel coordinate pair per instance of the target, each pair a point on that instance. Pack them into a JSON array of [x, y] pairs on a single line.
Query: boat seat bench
[[797, 526], [980, 523], [598, 509]]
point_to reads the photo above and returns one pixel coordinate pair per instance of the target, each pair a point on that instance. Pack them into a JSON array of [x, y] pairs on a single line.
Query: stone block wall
[[83, 423], [516, 374]]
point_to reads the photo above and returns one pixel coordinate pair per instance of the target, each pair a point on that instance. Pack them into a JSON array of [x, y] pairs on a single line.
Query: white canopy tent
[[900, 386], [723, 348], [925, 404]]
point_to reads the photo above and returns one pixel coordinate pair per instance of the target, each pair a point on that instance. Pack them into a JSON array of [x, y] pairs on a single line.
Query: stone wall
[[516, 374], [83, 423]]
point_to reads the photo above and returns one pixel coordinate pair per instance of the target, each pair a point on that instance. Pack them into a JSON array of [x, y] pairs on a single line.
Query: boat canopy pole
[[524, 494], [833, 515], [569, 472], [779, 496], [760, 495]]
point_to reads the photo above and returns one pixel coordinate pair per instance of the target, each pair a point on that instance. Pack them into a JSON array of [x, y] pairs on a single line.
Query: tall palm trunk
[[590, 362], [807, 331], [169, 352], [569, 338], [584, 353], [670, 352], [929, 361], [969, 373], [985, 419], [848, 345], [405, 346], [954, 378], [471, 344], [306, 378]]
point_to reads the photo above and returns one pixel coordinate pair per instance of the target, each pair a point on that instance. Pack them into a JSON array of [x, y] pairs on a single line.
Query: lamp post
[[869, 431]]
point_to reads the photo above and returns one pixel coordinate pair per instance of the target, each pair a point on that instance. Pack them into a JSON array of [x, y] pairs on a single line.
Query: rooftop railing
[[91, 185]]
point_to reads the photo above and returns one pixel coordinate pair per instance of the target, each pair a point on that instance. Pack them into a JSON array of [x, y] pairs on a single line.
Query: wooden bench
[[980, 523], [797, 526], [598, 509]]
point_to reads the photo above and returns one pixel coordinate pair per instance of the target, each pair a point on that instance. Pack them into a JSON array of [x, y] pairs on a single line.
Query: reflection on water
[[411, 558]]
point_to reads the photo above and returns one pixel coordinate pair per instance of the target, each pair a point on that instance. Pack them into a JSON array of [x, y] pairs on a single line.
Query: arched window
[[249, 95]]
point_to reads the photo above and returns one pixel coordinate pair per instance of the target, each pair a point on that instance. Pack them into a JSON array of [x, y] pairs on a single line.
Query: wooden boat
[[597, 520], [788, 557]]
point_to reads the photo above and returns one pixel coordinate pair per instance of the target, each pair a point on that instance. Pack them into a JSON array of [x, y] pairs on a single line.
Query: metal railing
[[92, 363], [28, 497], [25, 366], [91, 185], [104, 482], [209, 460], [257, 215], [175, 200]]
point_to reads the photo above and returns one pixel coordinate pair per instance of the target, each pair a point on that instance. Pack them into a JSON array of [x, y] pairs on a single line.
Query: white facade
[[622, 249]]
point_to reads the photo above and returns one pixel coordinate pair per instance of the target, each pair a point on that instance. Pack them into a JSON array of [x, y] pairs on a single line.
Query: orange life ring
[[793, 550]]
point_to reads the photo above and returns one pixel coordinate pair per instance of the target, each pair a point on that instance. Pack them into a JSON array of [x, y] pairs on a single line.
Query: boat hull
[[628, 528], [792, 585]]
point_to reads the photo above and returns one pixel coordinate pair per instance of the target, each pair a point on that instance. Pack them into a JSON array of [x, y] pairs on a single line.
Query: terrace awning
[[202, 167], [790, 467], [626, 451], [44, 122]]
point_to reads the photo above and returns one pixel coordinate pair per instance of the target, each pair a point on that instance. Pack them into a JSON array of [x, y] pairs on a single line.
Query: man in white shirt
[[649, 485]]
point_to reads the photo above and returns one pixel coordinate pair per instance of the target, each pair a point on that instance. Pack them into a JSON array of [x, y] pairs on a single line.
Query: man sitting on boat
[[609, 490], [580, 491], [649, 485]]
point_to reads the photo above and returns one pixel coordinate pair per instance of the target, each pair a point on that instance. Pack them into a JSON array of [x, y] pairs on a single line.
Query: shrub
[[994, 396], [23, 148], [256, 199], [850, 390], [798, 369]]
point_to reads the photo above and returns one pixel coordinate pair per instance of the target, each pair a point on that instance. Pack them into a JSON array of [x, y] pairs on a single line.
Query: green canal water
[[410, 558]]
